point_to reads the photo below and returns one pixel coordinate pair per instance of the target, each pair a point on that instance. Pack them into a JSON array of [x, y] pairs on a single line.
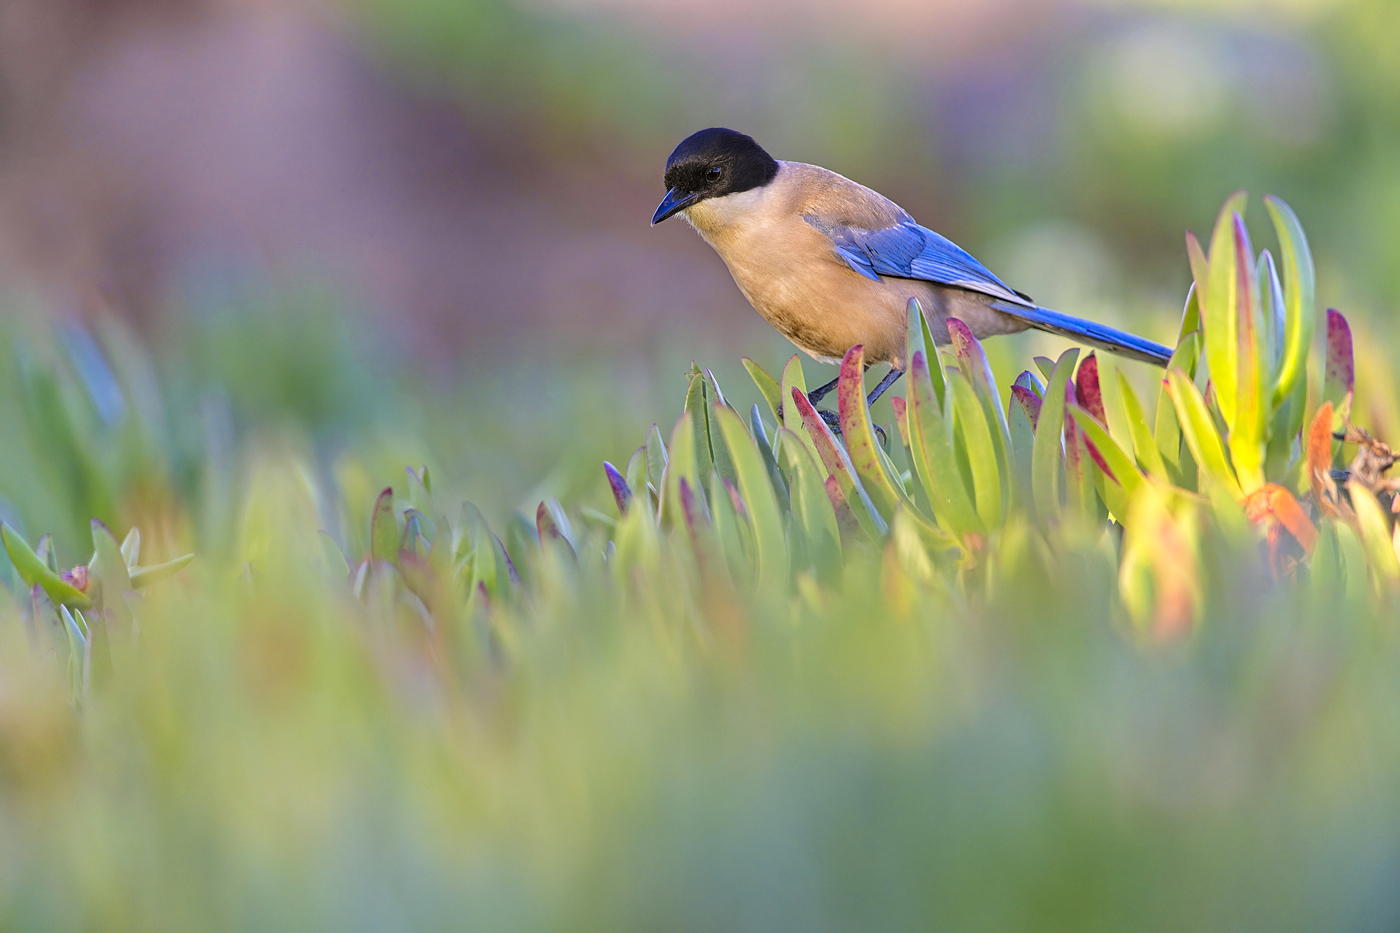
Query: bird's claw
[[884, 438], [832, 420]]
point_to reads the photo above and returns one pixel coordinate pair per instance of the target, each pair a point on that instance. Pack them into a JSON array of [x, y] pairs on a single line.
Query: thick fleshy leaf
[[681, 463], [766, 450], [1247, 429], [734, 538], [973, 362], [1030, 403], [622, 493], [860, 439], [1047, 456], [767, 386], [131, 547], [1031, 383], [758, 496], [1275, 311], [1220, 310], [1374, 526], [697, 406], [813, 509], [792, 378], [142, 577], [1144, 445], [1116, 463], [920, 340], [1200, 281], [1087, 393], [108, 566], [656, 463], [838, 465], [1299, 288], [384, 529], [935, 459], [34, 572], [637, 473], [1340, 379], [1199, 431], [1046, 367], [1273, 501], [987, 480], [1319, 456], [1166, 428]]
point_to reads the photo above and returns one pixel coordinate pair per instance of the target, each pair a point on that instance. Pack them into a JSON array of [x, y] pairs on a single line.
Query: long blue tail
[[1096, 335]]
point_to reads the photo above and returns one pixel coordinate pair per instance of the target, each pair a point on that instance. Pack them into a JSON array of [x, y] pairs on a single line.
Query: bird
[[831, 263]]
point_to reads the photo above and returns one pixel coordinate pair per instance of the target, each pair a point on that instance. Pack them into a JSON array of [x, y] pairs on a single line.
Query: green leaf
[[1375, 534], [698, 407], [108, 568], [143, 577], [131, 547], [1167, 430], [1247, 430], [792, 379], [1300, 317], [384, 529], [860, 440], [1117, 465], [656, 463], [767, 387], [1144, 445], [838, 466], [34, 572], [812, 508], [1199, 431], [1221, 308], [972, 360], [758, 496], [1046, 457], [935, 458], [765, 448], [987, 481], [729, 532], [336, 564]]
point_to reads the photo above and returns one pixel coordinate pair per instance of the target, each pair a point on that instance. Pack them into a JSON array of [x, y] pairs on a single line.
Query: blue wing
[[909, 251], [906, 250]]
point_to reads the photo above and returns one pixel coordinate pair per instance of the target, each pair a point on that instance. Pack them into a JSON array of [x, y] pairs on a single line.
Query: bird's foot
[[832, 420], [884, 438]]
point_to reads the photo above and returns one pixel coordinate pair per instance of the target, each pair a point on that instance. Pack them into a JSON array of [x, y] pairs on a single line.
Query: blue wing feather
[[909, 251], [906, 250]]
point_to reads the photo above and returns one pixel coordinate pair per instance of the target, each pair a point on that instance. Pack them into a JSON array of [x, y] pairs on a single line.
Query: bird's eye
[[714, 174]]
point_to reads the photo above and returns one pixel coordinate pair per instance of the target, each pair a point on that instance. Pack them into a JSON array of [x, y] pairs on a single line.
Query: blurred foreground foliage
[[1069, 662]]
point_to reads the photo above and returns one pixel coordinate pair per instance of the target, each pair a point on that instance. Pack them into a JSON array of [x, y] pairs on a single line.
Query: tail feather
[[1096, 335]]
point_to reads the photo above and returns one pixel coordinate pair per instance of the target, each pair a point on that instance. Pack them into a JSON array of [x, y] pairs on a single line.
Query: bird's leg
[[884, 384], [819, 393]]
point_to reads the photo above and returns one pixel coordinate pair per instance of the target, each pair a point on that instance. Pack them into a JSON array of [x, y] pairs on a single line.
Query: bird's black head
[[711, 164]]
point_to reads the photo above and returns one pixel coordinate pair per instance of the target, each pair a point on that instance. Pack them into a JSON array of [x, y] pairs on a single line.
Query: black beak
[[675, 200]]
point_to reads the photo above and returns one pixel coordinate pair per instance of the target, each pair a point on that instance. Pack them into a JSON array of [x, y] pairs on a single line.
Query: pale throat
[[731, 213]]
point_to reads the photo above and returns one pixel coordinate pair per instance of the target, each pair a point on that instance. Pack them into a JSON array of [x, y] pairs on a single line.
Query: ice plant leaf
[[108, 565], [758, 496], [981, 450], [1247, 428], [935, 460], [34, 572], [812, 508], [1116, 463], [1048, 454], [143, 577], [384, 529], [792, 378], [1298, 285], [860, 440], [972, 359], [767, 386], [1199, 431], [1340, 379], [838, 467], [1319, 455], [622, 493], [1220, 309], [1144, 445], [1030, 403], [1374, 526], [131, 547]]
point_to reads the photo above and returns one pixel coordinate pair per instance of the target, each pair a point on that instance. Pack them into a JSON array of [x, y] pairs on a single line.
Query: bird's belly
[[825, 308]]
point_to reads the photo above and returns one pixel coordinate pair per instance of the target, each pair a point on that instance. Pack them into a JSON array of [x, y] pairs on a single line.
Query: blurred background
[[302, 207]]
